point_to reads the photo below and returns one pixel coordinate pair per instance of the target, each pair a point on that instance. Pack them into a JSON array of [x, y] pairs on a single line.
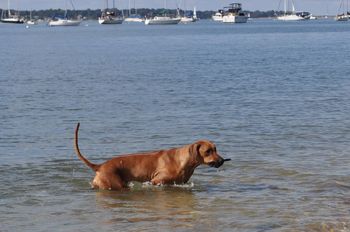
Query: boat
[[345, 15], [189, 18], [218, 15], [289, 15], [109, 17], [304, 14], [162, 20], [31, 21], [133, 18], [234, 14], [9, 17], [64, 21]]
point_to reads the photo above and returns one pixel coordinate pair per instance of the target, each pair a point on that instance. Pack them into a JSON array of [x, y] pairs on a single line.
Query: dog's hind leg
[[108, 181]]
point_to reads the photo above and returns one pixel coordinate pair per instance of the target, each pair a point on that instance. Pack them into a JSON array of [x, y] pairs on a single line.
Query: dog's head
[[205, 153]]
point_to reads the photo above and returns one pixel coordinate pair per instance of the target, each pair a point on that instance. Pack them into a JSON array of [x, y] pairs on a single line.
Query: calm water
[[274, 97]]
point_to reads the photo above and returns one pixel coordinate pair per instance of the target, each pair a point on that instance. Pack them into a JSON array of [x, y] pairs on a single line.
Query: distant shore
[[143, 12]]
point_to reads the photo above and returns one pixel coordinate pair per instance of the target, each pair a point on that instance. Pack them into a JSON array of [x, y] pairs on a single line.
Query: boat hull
[[234, 19], [290, 18], [341, 18], [162, 21], [133, 20], [188, 20], [217, 18], [64, 22], [12, 20], [110, 21]]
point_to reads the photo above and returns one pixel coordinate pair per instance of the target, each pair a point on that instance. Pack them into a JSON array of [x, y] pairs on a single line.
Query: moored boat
[[345, 15], [234, 14], [162, 20], [189, 18], [290, 15], [8, 17], [64, 21], [218, 15], [109, 16]]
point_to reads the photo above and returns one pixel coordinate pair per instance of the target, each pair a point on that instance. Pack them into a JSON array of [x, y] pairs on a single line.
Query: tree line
[[93, 14]]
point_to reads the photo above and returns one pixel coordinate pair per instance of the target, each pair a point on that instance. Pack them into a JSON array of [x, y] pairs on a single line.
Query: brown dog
[[159, 167]]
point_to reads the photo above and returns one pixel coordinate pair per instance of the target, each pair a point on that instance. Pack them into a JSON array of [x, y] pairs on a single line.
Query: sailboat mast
[[285, 7], [293, 7], [135, 7], [8, 8], [65, 7]]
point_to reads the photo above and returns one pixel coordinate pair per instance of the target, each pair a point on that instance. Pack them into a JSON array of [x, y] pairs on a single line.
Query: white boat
[[345, 15], [9, 17], [133, 18], [234, 14], [289, 16], [109, 17], [64, 21], [190, 18], [31, 21], [341, 18], [162, 20], [217, 16]]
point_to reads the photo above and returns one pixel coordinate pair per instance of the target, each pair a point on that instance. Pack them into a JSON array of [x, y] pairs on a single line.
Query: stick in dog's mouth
[[225, 160]]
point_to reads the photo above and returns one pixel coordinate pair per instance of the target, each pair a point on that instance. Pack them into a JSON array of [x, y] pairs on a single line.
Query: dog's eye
[[208, 152]]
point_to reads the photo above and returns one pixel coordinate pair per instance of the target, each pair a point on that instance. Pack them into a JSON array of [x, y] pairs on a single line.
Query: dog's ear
[[194, 152], [194, 149]]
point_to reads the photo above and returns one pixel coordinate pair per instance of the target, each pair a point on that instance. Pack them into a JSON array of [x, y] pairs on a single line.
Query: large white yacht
[[234, 14]]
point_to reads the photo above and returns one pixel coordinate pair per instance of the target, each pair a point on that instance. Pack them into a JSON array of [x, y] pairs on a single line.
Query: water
[[274, 97]]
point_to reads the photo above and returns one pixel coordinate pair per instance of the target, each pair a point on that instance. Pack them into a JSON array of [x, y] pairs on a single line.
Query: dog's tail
[[81, 157]]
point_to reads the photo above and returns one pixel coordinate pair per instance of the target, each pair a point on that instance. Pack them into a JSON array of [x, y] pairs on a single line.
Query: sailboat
[[345, 15], [109, 17], [9, 17], [162, 20], [133, 18], [188, 18], [31, 21], [58, 21], [289, 16]]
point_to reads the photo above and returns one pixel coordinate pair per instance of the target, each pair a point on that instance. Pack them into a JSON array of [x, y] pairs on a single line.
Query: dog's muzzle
[[218, 163]]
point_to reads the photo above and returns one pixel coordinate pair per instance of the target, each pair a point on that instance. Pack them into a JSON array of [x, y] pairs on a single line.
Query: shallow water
[[274, 97]]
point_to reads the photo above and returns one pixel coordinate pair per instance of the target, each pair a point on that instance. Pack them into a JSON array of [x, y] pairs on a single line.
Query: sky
[[317, 7]]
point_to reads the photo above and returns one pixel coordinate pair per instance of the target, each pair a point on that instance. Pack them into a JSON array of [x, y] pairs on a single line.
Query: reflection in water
[[171, 207]]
